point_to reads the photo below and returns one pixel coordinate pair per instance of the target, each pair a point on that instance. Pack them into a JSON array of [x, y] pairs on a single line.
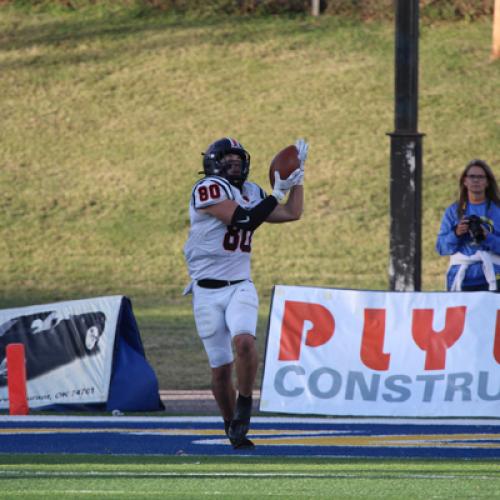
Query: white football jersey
[[214, 250]]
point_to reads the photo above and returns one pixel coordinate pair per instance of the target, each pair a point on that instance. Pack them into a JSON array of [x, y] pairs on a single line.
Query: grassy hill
[[105, 113]]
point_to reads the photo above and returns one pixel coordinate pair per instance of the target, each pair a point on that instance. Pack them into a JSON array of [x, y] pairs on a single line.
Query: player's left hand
[[293, 179], [282, 186]]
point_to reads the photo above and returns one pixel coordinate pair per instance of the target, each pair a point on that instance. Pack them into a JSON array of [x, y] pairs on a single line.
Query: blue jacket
[[449, 243]]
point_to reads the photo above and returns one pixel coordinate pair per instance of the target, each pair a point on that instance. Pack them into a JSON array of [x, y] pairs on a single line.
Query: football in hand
[[285, 162]]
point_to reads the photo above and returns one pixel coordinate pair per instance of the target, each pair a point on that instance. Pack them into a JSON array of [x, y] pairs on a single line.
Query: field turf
[[97, 476], [189, 457]]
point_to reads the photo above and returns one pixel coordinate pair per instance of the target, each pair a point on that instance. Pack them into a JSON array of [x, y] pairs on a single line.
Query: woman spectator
[[470, 232]]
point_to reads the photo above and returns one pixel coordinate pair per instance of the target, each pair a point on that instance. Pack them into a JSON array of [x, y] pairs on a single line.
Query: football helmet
[[213, 163]]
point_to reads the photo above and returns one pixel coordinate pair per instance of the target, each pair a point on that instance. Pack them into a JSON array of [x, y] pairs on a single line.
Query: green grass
[[88, 476], [105, 113]]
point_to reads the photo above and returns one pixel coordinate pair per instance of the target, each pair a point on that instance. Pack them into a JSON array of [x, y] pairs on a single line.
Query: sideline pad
[[273, 436]]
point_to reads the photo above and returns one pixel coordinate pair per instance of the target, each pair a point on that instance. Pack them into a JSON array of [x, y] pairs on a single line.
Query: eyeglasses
[[476, 177]]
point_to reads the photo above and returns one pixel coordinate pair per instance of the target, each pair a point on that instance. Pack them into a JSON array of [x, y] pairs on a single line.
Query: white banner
[[349, 352], [68, 348]]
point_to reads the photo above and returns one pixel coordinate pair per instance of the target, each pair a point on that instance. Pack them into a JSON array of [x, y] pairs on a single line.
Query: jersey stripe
[[234, 143]]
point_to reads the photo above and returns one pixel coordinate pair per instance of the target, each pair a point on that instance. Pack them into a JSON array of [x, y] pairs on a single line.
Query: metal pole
[[315, 8], [406, 156], [495, 51]]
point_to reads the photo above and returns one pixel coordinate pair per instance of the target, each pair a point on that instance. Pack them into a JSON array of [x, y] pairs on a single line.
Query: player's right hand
[[303, 149]]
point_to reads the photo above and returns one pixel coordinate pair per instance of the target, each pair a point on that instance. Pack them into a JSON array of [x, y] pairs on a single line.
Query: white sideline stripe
[[59, 493], [263, 420], [356, 475]]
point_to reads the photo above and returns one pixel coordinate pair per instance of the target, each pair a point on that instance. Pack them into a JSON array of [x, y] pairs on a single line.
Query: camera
[[475, 229]]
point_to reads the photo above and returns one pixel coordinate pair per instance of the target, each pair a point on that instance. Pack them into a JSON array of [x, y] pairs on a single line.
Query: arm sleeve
[[251, 219], [448, 242], [492, 241]]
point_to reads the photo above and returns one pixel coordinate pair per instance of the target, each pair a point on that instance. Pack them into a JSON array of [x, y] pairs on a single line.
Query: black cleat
[[238, 429], [244, 444], [240, 424]]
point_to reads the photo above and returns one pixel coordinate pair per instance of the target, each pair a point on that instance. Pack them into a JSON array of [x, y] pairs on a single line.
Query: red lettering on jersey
[[372, 343], [436, 343], [294, 317], [203, 193], [212, 192], [235, 238]]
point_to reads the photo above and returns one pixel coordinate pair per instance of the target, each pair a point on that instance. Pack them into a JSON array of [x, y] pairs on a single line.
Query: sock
[[244, 402]]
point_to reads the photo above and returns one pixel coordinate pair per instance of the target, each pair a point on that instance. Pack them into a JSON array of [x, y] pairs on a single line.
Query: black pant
[[479, 288]]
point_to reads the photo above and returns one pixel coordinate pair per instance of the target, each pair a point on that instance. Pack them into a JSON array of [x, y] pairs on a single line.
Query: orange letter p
[[294, 317]]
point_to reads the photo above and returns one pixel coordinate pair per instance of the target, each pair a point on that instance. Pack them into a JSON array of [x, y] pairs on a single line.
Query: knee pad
[[208, 320], [242, 312]]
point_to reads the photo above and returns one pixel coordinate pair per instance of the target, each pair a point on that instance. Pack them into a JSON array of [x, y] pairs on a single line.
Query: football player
[[225, 210]]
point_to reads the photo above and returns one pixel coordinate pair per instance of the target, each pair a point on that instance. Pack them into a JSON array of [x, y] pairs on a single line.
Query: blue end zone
[[273, 436]]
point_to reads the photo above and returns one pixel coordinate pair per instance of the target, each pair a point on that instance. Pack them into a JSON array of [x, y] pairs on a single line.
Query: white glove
[[282, 186], [302, 148]]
